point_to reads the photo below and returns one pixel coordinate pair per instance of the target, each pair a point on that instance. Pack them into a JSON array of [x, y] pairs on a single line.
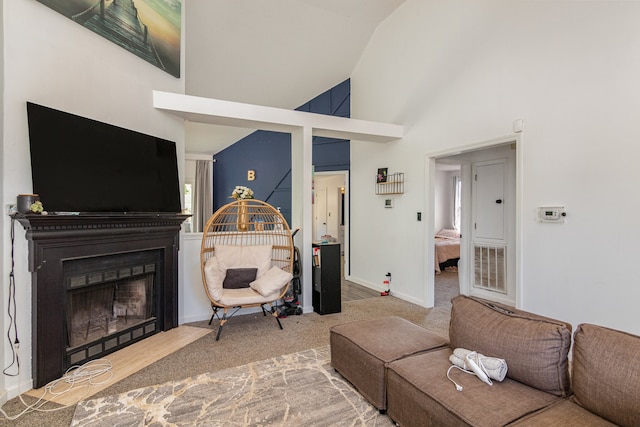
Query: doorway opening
[[473, 203], [331, 212], [447, 226]]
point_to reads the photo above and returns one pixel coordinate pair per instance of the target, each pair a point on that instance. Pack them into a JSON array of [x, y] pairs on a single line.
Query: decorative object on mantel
[[393, 183], [25, 201], [242, 193], [37, 208]]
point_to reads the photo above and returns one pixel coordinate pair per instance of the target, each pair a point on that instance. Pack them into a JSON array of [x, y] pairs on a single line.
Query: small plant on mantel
[[37, 208], [242, 193]]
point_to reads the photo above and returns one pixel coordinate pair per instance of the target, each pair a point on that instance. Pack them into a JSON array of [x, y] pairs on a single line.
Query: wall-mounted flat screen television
[[83, 165]]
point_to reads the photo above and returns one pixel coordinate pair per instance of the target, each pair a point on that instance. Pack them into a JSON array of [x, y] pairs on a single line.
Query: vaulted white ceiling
[[278, 53]]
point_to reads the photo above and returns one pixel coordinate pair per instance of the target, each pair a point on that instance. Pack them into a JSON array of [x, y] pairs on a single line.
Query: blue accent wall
[[269, 155]]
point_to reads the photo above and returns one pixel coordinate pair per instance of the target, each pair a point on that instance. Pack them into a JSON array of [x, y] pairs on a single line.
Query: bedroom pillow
[[230, 256], [445, 232], [238, 278], [271, 282]]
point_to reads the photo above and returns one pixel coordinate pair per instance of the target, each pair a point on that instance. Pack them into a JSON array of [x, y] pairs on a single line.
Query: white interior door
[[320, 213], [491, 251], [488, 198]]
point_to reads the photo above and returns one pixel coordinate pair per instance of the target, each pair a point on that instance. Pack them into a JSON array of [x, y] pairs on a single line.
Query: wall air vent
[[490, 268]]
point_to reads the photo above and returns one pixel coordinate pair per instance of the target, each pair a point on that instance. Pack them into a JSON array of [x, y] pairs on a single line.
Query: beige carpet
[[446, 287], [246, 339], [293, 389]]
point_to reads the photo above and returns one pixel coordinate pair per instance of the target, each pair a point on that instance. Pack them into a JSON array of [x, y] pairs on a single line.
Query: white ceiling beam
[[236, 114]]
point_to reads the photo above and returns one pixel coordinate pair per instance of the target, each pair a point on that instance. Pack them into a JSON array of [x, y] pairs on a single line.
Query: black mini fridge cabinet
[[326, 278]]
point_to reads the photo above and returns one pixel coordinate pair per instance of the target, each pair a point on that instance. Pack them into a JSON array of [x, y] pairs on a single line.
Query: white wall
[[3, 320], [457, 73], [50, 60], [444, 199], [193, 302]]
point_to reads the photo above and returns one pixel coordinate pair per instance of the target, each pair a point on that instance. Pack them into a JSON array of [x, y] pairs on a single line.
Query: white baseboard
[[364, 283], [394, 292], [198, 317], [16, 390]]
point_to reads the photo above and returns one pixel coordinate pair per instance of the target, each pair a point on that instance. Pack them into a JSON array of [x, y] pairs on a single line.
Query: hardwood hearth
[[61, 242]]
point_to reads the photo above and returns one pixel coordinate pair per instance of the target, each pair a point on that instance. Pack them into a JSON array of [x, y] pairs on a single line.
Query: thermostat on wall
[[551, 214]]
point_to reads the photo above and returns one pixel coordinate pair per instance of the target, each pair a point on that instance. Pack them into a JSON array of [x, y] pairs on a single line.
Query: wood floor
[[446, 287], [352, 291], [125, 362]]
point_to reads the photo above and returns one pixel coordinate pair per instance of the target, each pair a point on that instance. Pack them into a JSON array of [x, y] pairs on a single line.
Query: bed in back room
[[447, 249]]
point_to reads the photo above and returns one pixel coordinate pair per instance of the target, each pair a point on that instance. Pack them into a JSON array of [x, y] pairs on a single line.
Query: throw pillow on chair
[[271, 281], [238, 278]]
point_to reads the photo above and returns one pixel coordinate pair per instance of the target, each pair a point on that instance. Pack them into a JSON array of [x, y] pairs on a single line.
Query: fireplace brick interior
[[109, 299]]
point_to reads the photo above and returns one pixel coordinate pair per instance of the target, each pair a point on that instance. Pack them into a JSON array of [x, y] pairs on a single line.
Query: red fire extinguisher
[[387, 284]]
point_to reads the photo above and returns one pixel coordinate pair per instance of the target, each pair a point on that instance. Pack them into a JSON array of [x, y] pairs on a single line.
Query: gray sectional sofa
[[602, 387]]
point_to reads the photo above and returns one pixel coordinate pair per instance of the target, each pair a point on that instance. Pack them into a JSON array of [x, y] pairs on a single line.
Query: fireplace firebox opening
[[110, 301]]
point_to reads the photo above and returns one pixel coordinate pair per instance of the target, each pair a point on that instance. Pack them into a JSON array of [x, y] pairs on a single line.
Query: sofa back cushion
[[606, 373], [536, 348], [238, 256]]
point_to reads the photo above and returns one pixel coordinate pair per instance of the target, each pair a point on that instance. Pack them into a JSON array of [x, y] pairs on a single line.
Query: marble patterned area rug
[[299, 389]]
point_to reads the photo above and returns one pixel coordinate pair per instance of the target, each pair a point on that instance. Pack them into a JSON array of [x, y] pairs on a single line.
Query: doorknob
[[499, 201]]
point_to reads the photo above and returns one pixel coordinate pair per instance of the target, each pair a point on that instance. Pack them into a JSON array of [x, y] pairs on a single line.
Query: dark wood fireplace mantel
[[54, 239]]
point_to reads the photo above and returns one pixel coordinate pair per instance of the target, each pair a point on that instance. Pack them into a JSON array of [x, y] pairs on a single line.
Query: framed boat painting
[[150, 29]]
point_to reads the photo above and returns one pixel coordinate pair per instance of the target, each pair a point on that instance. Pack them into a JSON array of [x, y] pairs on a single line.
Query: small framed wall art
[[382, 175]]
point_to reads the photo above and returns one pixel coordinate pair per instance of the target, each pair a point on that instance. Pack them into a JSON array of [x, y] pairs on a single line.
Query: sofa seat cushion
[[536, 348], [564, 413], [606, 373], [361, 350], [420, 394], [235, 258], [245, 296]]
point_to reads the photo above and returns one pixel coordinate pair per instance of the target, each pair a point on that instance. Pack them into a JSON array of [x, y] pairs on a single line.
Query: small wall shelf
[[394, 184]]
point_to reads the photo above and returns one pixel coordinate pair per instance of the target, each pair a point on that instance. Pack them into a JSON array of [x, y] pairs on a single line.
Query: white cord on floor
[[86, 375], [91, 374]]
